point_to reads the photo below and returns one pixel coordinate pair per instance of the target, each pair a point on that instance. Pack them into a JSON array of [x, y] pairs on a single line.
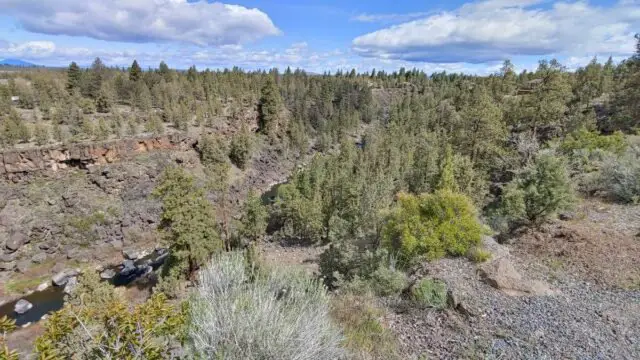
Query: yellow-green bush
[[113, 331], [432, 226], [589, 140]]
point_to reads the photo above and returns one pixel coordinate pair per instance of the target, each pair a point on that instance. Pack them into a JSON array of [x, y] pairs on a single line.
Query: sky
[[318, 36]]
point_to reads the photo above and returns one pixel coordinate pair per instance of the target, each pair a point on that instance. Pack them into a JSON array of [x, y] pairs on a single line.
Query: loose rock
[[107, 274], [22, 306]]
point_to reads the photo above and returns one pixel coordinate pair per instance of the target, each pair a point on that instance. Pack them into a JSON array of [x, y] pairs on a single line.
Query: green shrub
[[240, 148], [432, 225], [387, 281], [590, 140], [275, 315], [620, 176], [344, 262], [301, 217], [538, 192], [87, 106], [430, 293]]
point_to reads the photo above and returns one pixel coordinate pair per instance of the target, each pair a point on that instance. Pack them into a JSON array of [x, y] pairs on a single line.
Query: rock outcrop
[[15, 163]]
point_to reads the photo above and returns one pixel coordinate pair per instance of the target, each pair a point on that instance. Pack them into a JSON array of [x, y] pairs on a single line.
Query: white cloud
[[499, 29], [140, 21], [373, 18]]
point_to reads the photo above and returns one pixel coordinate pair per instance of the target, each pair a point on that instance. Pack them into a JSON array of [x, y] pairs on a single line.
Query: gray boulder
[[16, 240], [107, 274], [7, 266], [72, 284], [131, 254], [7, 257], [39, 258], [22, 306], [63, 277], [23, 265]]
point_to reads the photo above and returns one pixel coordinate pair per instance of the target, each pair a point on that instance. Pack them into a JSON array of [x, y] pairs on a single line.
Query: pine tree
[[74, 76], [483, 126], [96, 76], [135, 72], [269, 107]]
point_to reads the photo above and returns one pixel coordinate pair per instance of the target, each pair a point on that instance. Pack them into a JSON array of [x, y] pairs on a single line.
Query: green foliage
[[103, 103], [301, 217], [135, 72], [6, 326], [344, 262], [446, 179], [429, 293], [253, 222], [542, 189], [275, 314], [241, 148], [479, 255], [431, 226], [109, 329], [73, 77], [14, 130], [187, 222], [589, 140], [270, 107], [154, 125], [41, 133], [87, 106], [620, 176]]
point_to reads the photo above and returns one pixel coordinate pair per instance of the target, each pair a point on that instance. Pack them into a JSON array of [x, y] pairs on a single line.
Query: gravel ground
[[581, 321]]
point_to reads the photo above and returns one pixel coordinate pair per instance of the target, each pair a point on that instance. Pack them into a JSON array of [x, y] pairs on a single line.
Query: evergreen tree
[[187, 222], [74, 76], [269, 107], [135, 72]]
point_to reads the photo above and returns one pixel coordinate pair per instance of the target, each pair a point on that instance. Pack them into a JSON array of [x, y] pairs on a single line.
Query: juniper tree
[[187, 223]]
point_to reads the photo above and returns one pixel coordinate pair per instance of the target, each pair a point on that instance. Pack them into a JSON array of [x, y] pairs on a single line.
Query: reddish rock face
[[16, 162]]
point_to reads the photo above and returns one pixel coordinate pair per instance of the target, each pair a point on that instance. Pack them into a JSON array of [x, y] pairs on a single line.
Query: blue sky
[[456, 36]]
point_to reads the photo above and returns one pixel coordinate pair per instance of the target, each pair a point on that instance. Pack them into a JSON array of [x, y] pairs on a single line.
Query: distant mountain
[[16, 62]]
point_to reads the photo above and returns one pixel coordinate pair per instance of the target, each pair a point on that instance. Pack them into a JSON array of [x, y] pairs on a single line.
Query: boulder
[[7, 266], [22, 306], [502, 275], [23, 265], [128, 267], [72, 284], [39, 258], [107, 274], [131, 254], [16, 240], [7, 257], [63, 277], [42, 287]]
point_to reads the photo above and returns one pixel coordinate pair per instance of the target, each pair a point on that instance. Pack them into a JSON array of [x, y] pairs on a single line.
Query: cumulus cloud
[[494, 30], [140, 21]]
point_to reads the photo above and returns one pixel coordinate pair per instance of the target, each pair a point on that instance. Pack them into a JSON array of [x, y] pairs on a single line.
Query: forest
[[393, 171]]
